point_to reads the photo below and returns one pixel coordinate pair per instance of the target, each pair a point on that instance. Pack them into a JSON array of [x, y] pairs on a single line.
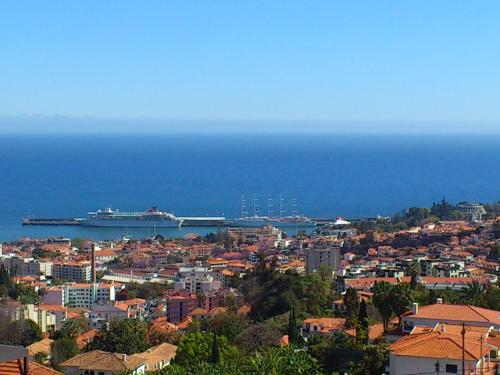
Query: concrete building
[[473, 211], [195, 280], [19, 266], [79, 295], [315, 256], [72, 271]]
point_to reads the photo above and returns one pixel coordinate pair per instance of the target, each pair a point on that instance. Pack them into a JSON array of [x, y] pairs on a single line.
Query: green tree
[[197, 347], [474, 294], [258, 336], [228, 324], [22, 332], [382, 301], [401, 299], [492, 298], [126, 336], [351, 302], [62, 349], [41, 358], [215, 357], [293, 332], [75, 327], [362, 329], [374, 360], [283, 361]]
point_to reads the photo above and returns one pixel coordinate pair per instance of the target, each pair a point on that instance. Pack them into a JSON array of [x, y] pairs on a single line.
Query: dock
[[188, 221], [202, 221], [50, 221]]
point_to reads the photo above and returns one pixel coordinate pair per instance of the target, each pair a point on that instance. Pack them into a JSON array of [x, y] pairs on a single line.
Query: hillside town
[[418, 293]]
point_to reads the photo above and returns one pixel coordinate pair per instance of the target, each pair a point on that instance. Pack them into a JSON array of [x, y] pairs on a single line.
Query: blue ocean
[[328, 175]]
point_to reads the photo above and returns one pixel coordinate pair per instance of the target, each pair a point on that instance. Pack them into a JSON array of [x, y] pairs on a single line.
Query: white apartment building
[[195, 279], [79, 295], [72, 271]]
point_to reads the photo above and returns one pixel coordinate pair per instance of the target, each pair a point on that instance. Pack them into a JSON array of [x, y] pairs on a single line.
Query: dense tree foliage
[[382, 301], [25, 294], [197, 347], [123, 336], [272, 293], [144, 291], [229, 325], [20, 332], [62, 349], [272, 361]]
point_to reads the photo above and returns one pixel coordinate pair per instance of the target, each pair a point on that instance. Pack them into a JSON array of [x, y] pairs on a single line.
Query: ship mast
[[269, 206], [244, 212], [282, 207], [294, 206], [255, 206]]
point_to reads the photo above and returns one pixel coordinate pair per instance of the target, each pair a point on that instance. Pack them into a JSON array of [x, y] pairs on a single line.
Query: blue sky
[[324, 63]]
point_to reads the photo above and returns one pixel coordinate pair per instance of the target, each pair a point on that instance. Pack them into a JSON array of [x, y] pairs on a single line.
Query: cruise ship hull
[[131, 223]]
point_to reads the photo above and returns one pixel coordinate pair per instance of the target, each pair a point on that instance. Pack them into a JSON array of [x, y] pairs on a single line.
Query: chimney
[[414, 308], [92, 264], [26, 366], [124, 357], [439, 300]]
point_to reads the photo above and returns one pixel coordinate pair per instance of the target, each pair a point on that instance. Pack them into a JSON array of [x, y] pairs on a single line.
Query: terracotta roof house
[[103, 362], [244, 310], [157, 357], [86, 338], [424, 352], [439, 312], [14, 360], [324, 326], [15, 367], [375, 331], [199, 313], [42, 346]]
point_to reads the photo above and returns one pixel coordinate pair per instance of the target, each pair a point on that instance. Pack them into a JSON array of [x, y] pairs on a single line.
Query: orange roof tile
[[467, 313], [439, 344], [14, 367]]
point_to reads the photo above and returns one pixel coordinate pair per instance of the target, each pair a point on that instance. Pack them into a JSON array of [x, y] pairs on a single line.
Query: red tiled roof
[[15, 367], [439, 344]]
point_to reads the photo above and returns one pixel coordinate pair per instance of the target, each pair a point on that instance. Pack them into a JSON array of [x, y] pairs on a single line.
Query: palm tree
[[401, 298], [381, 300], [474, 294]]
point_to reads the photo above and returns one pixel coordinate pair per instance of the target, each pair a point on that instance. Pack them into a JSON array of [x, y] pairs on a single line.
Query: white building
[[72, 271], [440, 351], [195, 279], [79, 295]]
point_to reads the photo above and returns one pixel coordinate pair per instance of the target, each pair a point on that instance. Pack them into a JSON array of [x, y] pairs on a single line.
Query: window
[[451, 369]]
